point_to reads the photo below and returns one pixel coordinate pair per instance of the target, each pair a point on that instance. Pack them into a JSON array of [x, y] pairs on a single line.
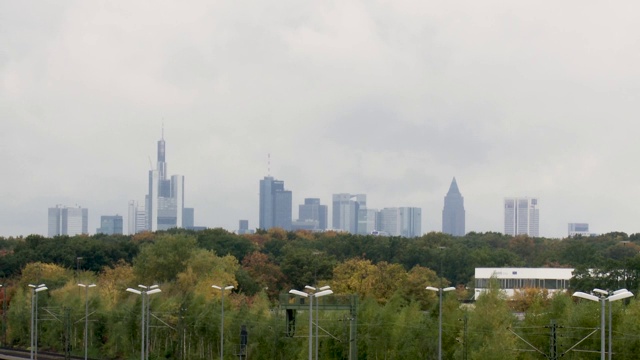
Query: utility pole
[[553, 340], [4, 314], [67, 333], [465, 345]]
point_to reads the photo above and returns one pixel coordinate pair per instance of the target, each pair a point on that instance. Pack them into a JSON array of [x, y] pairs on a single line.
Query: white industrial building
[[513, 279]]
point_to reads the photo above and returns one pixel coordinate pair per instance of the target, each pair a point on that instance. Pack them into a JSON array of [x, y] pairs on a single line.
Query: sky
[[387, 98]]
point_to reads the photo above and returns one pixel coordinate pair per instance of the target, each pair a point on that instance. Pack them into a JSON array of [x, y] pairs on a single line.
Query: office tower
[[453, 215], [410, 221], [312, 215], [275, 204], [188, 218], [68, 221], [521, 216], [243, 227], [110, 225], [136, 218], [401, 221], [389, 221], [164, 202], [367, 221], [346, 208]]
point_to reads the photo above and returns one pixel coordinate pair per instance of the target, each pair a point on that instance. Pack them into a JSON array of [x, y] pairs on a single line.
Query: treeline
[[396, 317], [304, 257]]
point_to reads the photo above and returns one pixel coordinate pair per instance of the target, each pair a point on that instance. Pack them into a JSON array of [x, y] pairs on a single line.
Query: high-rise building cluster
[[164, 208], [164, 203], [350, 213]]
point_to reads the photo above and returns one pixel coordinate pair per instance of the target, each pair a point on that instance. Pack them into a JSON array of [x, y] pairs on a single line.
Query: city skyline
[[388, 99]]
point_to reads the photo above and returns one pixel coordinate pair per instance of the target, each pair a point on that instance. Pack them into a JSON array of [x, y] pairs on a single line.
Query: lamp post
[[222, 289], [624, 293], [35, 289], [144, 326], [86, 317], [317, 317], [311, 296], [604, 295], [440, 290]]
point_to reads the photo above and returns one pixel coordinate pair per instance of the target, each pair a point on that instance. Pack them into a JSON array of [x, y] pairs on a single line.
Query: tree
[[164, 259], [265, 273], [490, 322], [223, 243]]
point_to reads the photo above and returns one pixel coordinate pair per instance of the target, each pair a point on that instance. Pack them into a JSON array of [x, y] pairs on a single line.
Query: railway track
[[18, 354]]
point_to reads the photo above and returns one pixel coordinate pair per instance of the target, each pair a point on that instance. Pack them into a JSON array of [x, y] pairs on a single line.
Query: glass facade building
[[453, 214], [275, 204], [521, 216]]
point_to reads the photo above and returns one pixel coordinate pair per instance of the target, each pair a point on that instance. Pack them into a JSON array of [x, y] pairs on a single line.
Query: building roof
[[524, 273]]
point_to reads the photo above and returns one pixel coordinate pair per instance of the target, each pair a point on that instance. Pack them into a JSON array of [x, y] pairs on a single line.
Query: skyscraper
[[367, 220], [243, 227], [453, 214], [521, 216], [346, 210], [402, 221], [275, 204], [313, 214], [68, 221], [410, 221], [164, 203], [110, 225], [136, 218]]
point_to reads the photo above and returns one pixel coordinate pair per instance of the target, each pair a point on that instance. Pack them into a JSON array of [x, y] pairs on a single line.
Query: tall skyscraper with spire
[[164, 202], [453, 214]]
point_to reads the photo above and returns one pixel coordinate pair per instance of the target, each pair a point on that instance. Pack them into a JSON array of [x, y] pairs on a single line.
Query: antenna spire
[[163, 129], [268, 164]]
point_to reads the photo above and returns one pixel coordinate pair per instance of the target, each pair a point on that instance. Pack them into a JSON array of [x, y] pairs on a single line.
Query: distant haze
[[388, 99]]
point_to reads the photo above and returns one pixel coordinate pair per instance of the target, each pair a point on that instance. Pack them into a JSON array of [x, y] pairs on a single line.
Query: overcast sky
[[387, 98]]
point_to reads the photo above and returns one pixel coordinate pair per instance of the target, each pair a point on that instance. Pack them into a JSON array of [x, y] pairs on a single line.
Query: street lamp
[[440, 290], [623, 293], [222, 289], [35, 289], [317, 317], [604, 295], [144, 326], [311, 296], [86, 317]]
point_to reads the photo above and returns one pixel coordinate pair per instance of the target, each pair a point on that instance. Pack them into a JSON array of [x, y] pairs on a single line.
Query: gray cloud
[[390, 99]]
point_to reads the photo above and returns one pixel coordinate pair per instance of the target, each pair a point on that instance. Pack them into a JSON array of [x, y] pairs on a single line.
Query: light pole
[[317, 317], [86, 317], [311, 296], [35, 289], [222, 289], [627, 294], [604, 296], [440, 290], [144, 327]]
